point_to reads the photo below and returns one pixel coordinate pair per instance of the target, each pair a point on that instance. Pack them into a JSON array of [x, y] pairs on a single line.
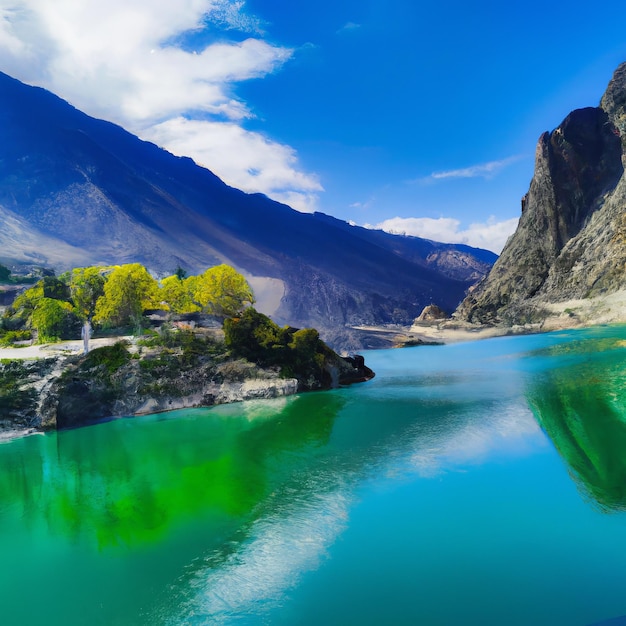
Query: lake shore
[[437, 333], [566, 315]]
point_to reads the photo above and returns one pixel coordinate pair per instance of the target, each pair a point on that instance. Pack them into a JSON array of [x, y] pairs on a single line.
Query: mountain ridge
[[88, 191]]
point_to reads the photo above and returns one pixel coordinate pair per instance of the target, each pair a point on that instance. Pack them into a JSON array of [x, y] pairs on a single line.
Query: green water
[[480, 483]]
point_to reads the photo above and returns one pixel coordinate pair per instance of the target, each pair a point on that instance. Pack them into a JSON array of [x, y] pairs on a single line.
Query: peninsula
[[204, 345]]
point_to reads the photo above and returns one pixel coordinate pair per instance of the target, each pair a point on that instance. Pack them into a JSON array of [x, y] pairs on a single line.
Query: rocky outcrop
[[431, 313], [21, 383], [66, 392], [570, 241], [88, 392]]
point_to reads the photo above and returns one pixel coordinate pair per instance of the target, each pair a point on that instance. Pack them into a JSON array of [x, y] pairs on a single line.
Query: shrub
[[300, 354], [111, 357], [12, 336]]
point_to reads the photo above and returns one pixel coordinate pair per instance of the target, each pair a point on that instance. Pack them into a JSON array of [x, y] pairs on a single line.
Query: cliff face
[[570, 241]]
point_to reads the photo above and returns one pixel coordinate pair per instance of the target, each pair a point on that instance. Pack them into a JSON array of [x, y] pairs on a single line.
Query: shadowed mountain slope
[[81, 190]]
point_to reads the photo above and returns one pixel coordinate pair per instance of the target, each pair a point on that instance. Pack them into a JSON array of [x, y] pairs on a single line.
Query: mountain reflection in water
[[581, 405]]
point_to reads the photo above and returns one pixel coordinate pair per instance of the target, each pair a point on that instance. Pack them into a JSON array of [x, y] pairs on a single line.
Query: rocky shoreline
[[548, 316], [67, 390]]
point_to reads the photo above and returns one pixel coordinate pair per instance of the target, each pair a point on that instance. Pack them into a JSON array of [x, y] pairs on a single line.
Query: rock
[[355, 370], [571, 239], [431, 313], [67, 392], [20, 386]]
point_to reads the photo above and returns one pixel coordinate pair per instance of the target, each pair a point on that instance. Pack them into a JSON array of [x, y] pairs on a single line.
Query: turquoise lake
[[477, 483]]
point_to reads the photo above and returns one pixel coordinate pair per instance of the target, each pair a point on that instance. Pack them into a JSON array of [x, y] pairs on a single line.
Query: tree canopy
[[51, 317], [118, 296], [176, 293], [298, 353], [86, 287], [221, 291], [129, 290]]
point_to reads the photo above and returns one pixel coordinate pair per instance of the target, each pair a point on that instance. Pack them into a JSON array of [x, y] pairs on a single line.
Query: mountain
[[569, 250], [75, 190]]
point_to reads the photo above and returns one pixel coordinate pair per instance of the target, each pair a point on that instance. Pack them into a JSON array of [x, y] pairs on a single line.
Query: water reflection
[[210, 516], [129, 482], [581, 405]]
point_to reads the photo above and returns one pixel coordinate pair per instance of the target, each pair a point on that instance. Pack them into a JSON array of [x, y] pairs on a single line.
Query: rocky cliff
[[570, 243]]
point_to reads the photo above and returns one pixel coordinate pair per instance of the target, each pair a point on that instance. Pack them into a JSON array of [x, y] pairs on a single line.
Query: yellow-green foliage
[[86, 287], [10, 337], [50, 318], [176, 294], [220, 291], [118, 296], [128, 292], [25, 303]]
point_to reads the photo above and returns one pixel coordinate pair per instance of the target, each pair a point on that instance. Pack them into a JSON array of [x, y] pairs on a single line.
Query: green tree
[[256, 337], [55, 288], [52, 319], [299, 353], [128, 292], [86, 287], [221, 291], [24, 305], [176, 294]]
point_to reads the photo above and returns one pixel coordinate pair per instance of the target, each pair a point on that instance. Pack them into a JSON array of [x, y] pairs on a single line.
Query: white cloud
[[349, 26], [232, 14], [124, 61], [491, 235], [482, 170], [256, 164]]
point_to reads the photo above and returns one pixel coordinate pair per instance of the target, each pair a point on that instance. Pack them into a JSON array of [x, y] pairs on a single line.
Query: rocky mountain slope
[[570, 244], [75, 190]]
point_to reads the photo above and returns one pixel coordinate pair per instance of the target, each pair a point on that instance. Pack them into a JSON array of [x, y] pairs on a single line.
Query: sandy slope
[[609, 309]]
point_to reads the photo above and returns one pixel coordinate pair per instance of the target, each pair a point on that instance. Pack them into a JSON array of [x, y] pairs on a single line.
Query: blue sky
[[414, 116]]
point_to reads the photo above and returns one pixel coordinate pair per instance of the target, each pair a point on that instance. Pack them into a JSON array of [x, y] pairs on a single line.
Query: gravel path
[[54, 349]]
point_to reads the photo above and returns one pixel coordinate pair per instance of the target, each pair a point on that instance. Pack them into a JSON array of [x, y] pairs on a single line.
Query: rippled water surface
[[479, 483]]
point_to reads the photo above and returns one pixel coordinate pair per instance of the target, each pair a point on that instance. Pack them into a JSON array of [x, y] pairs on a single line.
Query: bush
[[255, 337], [111, 357], [13, 336], [53, 319], [5, 274], [300, 354]]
